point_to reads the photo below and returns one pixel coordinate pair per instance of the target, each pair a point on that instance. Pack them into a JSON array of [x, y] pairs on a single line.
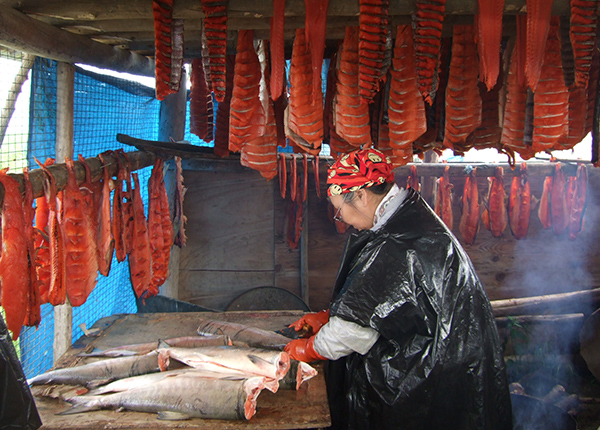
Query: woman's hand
[[311, 323]]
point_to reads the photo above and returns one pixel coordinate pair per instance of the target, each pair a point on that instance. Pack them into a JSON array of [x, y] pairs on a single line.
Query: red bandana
[[359, 169]]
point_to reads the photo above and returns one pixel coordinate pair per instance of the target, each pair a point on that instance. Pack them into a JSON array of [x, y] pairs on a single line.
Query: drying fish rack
[[306, 408]]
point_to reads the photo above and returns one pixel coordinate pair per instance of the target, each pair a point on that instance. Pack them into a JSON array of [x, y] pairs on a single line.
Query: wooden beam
[[22, 33]]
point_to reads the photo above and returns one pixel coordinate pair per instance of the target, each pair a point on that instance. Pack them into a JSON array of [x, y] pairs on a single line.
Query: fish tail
[[77, 409]]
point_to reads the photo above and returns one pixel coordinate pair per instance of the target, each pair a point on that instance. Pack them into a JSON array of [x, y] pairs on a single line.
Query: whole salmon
[[255, 337], [182, 395]]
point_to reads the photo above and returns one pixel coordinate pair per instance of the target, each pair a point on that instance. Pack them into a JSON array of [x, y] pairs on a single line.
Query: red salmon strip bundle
[[315, 28], [428, 22], [463, 102], [352, 121], [582, 32], [551, 99], [277, 49], [81, 260], [33, 314], [469, 219], [406, 109], [160, 230], [576, 201], [41, 244], [246, 117], [443, 199], [222, 122], [519, 204], [201, 104], [215, 42], [538, 25], [104, 238], [496, 207], [577, 118], [489, 31], [163, 14], [559, 211], [305, 117], [14, 279], [374, 43], [140, 258]]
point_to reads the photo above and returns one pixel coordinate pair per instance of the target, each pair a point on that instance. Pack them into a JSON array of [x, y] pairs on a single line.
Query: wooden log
[[22, 33], [548, 304], [13, 93]]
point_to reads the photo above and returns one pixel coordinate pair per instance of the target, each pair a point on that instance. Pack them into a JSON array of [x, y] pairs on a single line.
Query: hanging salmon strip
[[277, 51], [582, 32], [577, 113], [214, 43], [179, 219], [155, 232], [463, 102], [428, 22], [469, 219], [222, 122], [337, 145], [489, 23], [544, 208], [443, 199], [305, 117], [519, 204], [538, 26], [41, 244], [316, 27], [577, 201], [351, 113], [374, 46], [33, 315], [201, 104], [140, 259], [497, 212], [559, 212], [551, 99], [413, 179], [106, 243], [163, 16]]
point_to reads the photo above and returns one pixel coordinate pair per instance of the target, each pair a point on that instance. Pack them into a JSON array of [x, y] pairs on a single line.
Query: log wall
[[237, 239]]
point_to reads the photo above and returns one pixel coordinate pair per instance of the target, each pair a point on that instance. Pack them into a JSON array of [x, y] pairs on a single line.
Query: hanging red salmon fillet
[[544, 208], [489, 133], [374, 43], [351, 113], [277, 52], [106, 243], [551, 99], [14, 273], [91, 192], [246, 118], [538, 25], [559, 212], [463, 102], [118, 221], [41, 244], [294, 178], [179, 219], [428, 22], [222, 122], [214, 43], [520, 50], [282, 172], [155, 233], [127, 206], [489, 23], [32, 315], [577, 201], [81, 263], [582, 32], [577, 114], [316, 26], [496, 203], [163, 15], [305, 118], [201, 104], [469, 219], [140, 259], [519, 204], [443, 199], [279, 106], [406, 109], [337, 145]]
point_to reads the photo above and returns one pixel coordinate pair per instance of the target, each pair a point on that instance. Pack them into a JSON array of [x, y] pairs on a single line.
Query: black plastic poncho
[[438, 361], [17, 408]]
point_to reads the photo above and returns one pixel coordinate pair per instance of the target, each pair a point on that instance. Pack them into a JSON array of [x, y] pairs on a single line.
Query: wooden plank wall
[[237, 241]]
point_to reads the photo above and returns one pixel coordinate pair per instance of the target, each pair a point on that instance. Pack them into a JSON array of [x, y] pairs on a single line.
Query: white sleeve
[[339, 338]]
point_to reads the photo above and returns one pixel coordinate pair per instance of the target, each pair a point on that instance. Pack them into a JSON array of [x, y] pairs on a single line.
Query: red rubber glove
[[303, 350], [314, 321]]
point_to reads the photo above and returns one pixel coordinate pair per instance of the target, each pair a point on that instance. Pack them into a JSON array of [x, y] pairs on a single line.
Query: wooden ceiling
[[128, 25]]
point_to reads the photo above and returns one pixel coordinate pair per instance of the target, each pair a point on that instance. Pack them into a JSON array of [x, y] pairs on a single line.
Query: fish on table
[[252, 336]]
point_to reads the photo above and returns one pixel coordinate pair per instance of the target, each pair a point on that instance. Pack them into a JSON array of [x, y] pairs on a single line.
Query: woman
[[410, 337]]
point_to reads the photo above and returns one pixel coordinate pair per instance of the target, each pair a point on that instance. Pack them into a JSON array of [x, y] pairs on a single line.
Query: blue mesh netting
[[103, 107]]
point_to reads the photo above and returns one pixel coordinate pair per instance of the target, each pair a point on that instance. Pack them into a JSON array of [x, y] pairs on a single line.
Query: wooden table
[[286, 409]]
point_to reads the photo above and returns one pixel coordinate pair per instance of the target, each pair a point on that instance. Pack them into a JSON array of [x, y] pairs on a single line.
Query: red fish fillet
[[406, 109], [551, 98], [106, 243], [443, 201], [538, 25], [41, 244], [140, 259], [559, 212], [33, 315], [489, 23], [316, 26], [81, 264], [577, 114], [544, 208], [118, 221], [163, 16], [160, 260], [337, 145], [397, 157], [428, 22], [277, 52], [582, 32], [463, 102], [222, 122], [282, 172], [352, 121], [215, 44], [469, 219], [14, 266], [489, 133], [519, 204], [374, 43], [247, 117], [578, 202], [201, 105], [498, 216], [179, 219], [91, 192]]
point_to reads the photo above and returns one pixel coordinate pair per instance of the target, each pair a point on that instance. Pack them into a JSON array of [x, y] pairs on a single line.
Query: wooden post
[[65, 81], [172, 125]]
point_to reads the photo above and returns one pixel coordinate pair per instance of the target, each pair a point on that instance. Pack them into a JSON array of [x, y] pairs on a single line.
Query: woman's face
[[356, 212]]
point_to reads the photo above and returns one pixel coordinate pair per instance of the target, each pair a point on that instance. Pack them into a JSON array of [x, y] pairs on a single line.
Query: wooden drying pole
[[541, 304]]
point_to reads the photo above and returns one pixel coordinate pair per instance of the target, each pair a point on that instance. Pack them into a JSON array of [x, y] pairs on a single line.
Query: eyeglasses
[[338, 217]]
